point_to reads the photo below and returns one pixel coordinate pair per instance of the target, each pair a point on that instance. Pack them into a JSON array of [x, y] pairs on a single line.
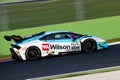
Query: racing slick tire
[[89, 45], [33, 53]]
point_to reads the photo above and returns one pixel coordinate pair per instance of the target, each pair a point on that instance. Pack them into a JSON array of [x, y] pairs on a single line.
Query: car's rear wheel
[[33, 53], [89, 45]]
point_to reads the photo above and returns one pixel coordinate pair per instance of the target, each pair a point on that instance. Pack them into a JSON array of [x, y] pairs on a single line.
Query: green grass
[[101, 8], [34, 14], [9, 1], [40, 13], [5, 57], [107, 28]]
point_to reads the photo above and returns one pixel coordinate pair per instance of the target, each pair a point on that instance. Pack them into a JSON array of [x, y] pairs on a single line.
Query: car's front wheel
[[33, 53], [89, 45]]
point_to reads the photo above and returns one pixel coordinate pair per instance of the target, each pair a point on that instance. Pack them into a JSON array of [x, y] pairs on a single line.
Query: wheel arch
[[84, 39], [32, 47]]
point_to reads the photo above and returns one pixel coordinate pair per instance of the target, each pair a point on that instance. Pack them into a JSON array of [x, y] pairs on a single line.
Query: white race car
[[53, 43]]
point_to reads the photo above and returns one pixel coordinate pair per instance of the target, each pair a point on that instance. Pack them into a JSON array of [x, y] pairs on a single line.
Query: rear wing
[[16, 38]]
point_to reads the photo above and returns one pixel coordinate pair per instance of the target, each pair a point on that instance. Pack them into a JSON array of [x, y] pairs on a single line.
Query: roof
[[55, 32]]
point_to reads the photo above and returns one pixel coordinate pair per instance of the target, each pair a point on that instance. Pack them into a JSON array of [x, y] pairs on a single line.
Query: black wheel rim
[[90, 46], [33, 54]]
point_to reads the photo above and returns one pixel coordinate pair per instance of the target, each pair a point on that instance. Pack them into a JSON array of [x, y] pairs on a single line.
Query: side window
[[57, 36], [61, 36], [66, 36], [73, 35], [48, 37]]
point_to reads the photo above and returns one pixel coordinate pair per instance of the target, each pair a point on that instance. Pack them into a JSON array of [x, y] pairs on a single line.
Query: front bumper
[[102, 45], [14, 55]]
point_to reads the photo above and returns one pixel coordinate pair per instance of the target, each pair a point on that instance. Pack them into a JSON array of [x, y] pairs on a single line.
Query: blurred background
[[18, 14]]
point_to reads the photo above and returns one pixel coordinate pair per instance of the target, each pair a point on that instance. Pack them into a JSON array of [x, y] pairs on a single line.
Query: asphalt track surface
[[14, 70]]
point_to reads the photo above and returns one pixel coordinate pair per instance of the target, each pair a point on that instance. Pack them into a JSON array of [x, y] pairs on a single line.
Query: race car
[[53, 43]]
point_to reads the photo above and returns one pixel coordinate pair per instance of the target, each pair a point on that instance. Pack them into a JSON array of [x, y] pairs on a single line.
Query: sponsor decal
[[45, 47], [71, 47], [57, 46], [75, 46]]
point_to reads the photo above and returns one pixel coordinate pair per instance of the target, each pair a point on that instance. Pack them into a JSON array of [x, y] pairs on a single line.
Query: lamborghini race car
[[53, 43]]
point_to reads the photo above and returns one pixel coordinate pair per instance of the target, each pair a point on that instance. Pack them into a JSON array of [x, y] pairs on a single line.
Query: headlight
[[102, 41]]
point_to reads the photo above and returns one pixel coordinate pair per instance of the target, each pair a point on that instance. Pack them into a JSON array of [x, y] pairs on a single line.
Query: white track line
[[65, 74], [113, 43]]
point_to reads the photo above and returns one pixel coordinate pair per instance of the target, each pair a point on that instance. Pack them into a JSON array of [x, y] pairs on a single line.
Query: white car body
[[53, 43]]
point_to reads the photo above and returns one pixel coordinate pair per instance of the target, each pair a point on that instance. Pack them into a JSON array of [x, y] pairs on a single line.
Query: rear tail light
[[15, 46]]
